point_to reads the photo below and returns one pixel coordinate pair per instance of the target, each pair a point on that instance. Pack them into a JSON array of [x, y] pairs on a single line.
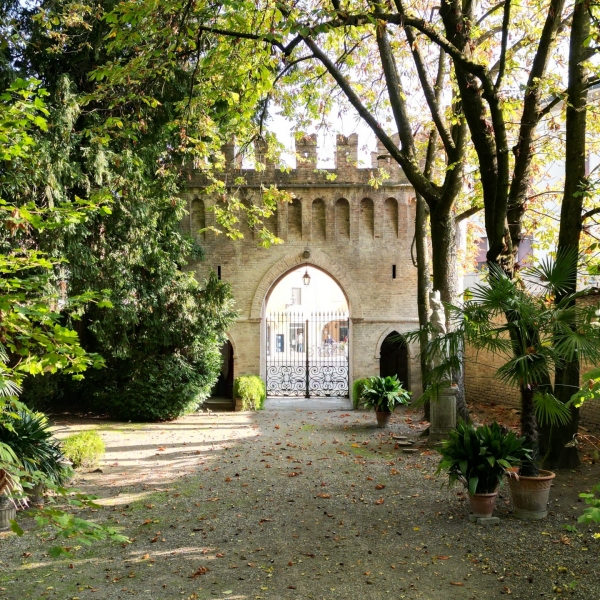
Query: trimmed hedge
[[251, 390], [357, 390]]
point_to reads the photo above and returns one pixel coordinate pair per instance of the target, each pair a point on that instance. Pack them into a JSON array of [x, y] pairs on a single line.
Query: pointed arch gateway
[[306, 340]]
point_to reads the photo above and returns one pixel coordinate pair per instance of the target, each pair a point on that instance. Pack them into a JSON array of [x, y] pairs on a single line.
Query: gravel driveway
[[298, 505]]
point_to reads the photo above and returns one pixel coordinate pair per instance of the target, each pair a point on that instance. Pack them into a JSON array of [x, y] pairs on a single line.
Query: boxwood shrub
[[252, 391], [357, 389], [84, 448], [158, 388]]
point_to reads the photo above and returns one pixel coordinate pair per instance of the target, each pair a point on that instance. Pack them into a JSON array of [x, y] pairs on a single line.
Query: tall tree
[[566, 376], [165, 329]]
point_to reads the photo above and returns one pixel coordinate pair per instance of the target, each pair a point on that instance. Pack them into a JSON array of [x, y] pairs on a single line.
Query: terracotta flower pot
[[383, 418], [530, 495], [483, 505]]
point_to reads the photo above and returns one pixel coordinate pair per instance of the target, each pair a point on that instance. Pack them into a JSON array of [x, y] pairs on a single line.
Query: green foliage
[[29, 437], [252, 391], [135, 253], [41, 393], [590, 388], [479, 457], [357, 389], [54, 523], [384, 393], [164, 355], [83, 449], [34, 337], [592, 513], [155, 388]]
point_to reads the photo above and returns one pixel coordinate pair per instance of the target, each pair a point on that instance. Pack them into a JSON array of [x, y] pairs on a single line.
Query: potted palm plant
[[383, 394], [479, 458], [536, 329]]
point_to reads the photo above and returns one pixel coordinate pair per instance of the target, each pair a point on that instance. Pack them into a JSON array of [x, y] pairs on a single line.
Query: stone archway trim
[[398, 328], [317, 259], [233, 345]]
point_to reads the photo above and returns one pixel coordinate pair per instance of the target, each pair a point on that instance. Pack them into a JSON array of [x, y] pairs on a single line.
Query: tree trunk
[[566, 380], [423, 284], [529, 430], [443, 254]]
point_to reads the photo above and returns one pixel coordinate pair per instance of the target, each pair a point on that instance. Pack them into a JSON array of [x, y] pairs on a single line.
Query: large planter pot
[[7, 512], [530, 495], [483, 505], [383, 418]]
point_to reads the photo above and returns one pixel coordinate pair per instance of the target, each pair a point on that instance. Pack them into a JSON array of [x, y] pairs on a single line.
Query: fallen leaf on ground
[[199, 571]]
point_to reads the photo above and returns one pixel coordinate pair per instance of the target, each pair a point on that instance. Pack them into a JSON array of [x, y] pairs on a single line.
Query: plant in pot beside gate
[[383, 394], [479, 458]]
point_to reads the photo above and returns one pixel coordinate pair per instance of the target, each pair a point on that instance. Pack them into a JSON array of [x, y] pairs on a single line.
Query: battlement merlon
[[306, 173]]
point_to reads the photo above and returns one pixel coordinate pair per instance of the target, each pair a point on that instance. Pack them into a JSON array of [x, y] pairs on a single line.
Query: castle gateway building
[[341, 227]]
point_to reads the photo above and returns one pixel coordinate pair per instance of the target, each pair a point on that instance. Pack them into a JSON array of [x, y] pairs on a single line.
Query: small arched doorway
[[224, 386], [393, 358]]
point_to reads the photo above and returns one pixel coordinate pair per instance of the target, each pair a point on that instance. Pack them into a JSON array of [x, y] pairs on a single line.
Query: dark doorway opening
[[394, 358], [224, 386]]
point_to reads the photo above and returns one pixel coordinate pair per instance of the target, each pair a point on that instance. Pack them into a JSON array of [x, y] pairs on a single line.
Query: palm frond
[[549, 410], [524, 369], [7, 455], [557, 276], [9, 388]]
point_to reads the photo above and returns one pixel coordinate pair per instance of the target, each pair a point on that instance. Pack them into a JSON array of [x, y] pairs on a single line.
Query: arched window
[[295, 220], [198, 219], [271, 222], [342, 219], [390, 224], [367, 214], [318, 221]]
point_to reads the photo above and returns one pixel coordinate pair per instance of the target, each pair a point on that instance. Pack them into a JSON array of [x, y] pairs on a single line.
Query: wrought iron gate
[[307, 354]]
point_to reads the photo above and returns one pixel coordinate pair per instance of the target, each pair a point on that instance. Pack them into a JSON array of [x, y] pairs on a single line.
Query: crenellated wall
[[356, 233]]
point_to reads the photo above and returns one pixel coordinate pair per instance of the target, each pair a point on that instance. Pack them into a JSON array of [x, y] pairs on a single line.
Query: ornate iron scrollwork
[[286, 380]]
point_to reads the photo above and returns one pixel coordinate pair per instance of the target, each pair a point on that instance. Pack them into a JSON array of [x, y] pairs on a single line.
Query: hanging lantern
[[306, 277]]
